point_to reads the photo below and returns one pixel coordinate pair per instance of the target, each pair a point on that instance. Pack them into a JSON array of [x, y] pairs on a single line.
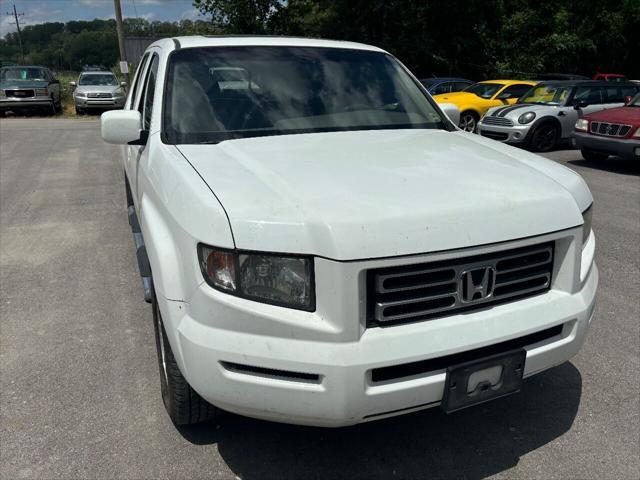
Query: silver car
[[547, 113], [98, 90]]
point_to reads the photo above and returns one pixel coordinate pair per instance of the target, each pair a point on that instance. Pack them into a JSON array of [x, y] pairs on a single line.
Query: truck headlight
[[284, 280], [42, 92], [526, 117], [80, 94], [582, 124], [586, 226]]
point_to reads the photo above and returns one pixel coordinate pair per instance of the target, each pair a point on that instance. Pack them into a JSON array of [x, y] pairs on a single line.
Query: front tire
[[544, 137], [593, 156], [183, 404], [468, 121]]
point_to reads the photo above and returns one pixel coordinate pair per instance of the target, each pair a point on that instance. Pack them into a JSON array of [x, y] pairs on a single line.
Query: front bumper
[[12, 103], [212, 332], [515, 134], [625, 148], [81, 102]]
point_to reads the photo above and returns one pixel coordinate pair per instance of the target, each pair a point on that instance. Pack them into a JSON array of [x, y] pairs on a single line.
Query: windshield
[[547, 95], [484, 90], [98, 79], [220, 93], [22, 73]]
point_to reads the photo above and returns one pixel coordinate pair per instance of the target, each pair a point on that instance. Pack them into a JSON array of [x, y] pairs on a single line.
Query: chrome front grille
[[501, 121], [20, 93], [610, 129], [421, 291], [98, 95]]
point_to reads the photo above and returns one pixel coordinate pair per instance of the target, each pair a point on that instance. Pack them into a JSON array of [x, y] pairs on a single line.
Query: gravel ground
[[79, 391]]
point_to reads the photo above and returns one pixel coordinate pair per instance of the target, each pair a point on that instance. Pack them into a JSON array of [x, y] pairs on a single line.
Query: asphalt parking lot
[[79, 388]]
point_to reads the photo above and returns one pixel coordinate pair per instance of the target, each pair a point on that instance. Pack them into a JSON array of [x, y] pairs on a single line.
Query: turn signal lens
[[218, 267]]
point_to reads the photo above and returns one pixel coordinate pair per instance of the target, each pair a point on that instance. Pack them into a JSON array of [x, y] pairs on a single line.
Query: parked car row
[[35, 87]]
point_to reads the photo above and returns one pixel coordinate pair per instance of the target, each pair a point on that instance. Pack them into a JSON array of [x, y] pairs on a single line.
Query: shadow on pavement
[[612, 164], [473, 443]]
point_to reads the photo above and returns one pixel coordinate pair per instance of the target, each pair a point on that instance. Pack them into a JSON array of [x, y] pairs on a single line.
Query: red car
[[610, 132], [610, 77]]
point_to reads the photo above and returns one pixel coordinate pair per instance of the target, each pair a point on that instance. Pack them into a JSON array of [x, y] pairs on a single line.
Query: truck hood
[[629, 115], [368, 194]]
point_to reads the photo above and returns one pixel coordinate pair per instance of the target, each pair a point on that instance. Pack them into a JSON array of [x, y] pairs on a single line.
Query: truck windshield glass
[[546, 95], [98, 79], [221, 93], [8, 74], [484, 90]]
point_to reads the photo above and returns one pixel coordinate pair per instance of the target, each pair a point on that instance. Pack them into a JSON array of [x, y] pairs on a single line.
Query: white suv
[[323, 246]]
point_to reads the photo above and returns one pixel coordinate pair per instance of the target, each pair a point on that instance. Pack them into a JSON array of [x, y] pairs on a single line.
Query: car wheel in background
[[544, 137], [468, 121], [79, 111], [184, 405], [593, 156]]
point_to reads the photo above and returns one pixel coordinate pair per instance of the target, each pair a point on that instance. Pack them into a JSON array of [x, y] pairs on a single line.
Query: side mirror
[[503, 96], [72, 84], [627, 99], [123, 84], [123, 127], [580, 104], [451, 111]]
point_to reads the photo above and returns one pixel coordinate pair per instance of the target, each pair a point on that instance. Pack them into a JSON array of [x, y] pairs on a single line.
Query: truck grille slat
[[610, 129], [420, 291]]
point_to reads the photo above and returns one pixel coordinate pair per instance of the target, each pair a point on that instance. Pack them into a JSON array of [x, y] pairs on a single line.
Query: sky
[[39, 11]]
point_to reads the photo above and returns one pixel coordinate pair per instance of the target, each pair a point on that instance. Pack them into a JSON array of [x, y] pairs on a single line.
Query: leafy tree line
[[469, 38], [70, 45], [474, 39]]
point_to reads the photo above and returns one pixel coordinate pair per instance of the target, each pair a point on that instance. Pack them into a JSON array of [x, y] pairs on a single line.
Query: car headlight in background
[[586, 226], [2, 94], [636, 134], [526, 117], [80, 94], [582, 124], [118, 93], [284, 280], [41, 92]]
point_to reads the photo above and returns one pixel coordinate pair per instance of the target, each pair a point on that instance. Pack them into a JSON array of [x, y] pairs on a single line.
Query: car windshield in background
[[27, 74], [483, 90], [221, 93], [98, 79], [547, 95]]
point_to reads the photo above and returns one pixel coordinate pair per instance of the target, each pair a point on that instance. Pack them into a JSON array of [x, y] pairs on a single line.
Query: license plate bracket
[[481, 380]]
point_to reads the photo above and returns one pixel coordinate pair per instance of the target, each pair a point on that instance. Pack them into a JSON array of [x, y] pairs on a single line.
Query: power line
[[17, 24]]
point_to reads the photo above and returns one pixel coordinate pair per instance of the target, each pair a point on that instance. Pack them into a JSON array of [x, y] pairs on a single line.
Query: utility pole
[[17, 24], [120, 29]]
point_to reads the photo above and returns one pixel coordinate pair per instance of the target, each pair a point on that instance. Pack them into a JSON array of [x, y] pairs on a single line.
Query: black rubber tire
[[183, 404], [593, 156], [79, 111], [544, 137], [468, 121]]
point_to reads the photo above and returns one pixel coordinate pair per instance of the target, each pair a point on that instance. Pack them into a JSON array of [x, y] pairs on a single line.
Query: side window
[[459, 86], [516, 91], [442, 88], [146, 100], [613, 94], [589, 94], [629, 91], [137, 80]]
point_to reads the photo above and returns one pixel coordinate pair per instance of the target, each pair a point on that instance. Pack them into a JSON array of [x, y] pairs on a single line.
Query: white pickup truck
[[323, 246]]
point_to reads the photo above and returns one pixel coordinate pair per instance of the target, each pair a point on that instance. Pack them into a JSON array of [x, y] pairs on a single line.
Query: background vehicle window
[[459, 86], [629, 91], [592, 95], [516, 91], [146, 102], [442, 88], [613, 95]]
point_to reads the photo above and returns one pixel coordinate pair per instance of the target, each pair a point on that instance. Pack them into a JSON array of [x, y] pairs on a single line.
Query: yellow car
[[476, 99]]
